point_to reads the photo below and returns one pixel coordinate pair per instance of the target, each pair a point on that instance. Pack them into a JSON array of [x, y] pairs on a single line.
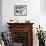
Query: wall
[[34, 14], [43, 6], [43, 15], [0, 15], [33, 10]]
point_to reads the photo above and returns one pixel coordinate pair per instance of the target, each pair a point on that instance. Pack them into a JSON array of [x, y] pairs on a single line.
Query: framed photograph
[[20, 10]]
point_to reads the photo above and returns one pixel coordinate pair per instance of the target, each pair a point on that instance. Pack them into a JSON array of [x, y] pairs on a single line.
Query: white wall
[[34, 14], [36, 10], [43, 6], [33, 10], [43, 14]]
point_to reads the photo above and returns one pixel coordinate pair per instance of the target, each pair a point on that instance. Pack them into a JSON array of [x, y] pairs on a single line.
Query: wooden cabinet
[[22, 33]]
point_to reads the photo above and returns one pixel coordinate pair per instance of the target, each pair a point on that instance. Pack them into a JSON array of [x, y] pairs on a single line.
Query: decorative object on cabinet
[[27, 21], [13, 21], [20, 10], [22, 33]]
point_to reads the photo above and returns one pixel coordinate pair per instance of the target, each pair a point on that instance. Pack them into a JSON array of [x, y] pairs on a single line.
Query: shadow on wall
[[0, 15], [43, 6]]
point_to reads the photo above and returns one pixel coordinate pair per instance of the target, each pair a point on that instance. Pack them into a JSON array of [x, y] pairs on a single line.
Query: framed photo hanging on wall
[[20, 10]]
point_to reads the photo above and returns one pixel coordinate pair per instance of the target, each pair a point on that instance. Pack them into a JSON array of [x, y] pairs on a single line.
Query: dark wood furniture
[[22, 33]]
